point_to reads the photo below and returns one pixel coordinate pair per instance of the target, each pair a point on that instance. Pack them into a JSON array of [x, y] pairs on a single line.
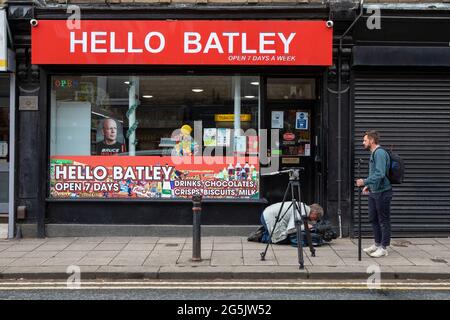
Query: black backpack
[[396, 169]]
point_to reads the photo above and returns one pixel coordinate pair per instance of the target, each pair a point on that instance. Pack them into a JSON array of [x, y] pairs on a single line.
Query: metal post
[[359, 211], [196, 228]]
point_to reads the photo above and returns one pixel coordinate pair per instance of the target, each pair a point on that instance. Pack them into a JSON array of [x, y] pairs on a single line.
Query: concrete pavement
[[223, 258]]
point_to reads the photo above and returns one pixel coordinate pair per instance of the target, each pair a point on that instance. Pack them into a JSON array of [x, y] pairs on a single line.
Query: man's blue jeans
[[380, 217]]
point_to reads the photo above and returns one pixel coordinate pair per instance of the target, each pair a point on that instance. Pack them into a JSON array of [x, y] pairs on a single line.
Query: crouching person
[[286, 223]]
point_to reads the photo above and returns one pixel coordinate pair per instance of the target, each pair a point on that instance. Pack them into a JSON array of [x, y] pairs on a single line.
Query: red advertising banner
[[183, 42], [152, 177]]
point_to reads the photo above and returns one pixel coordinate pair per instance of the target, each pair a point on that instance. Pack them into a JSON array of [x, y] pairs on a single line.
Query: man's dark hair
[[372, 134]]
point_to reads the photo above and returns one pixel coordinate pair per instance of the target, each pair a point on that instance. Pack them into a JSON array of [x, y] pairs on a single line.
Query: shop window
[[108, 119]]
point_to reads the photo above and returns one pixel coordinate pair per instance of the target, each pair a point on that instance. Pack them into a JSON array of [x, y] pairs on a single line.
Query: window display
[[154, 136]]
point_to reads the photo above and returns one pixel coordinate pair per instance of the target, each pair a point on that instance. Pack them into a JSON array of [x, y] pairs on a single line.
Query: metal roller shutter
[[412, 114]]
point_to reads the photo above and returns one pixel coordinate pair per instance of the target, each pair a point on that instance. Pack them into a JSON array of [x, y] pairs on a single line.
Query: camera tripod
[[294, 188]]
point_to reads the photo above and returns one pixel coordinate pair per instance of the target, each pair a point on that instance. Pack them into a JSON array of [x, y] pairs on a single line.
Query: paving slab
[[253, 258], [60, 262], [432, 247], [166, 240], [131, 258], [139, 246], [82, 246], [41, 254], [36, 242], [427, 262], [102, 254], [227, 258], [327, 261], [23, 247], [137, 240], [417, 241], [13, 254], [71, 254], [27, 262], [109, 246], [133, 254], [89, 240], [439, 253], [413, 253], [203, 240], [4, 247], [53, 246], [94, 261], [281, 247], [253, 245], [127, 261], [444, 241], [365, 261], [349, 254], [186, 259], [6, 261], [393, 261], [208, 246], [117, 240], [161, 258], [205, 253], [221, 246], [291, 259], [228, 240]]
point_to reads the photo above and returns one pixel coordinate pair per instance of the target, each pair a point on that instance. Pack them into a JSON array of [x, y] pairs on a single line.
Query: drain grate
[[171, 244]]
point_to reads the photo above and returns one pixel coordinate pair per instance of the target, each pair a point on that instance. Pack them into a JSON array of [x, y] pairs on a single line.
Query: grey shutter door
[[412, 114]]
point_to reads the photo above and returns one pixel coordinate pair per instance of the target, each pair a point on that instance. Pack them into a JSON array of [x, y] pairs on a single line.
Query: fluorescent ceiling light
[[104, 116], [197, 90], [147, 96], [249, 97], [127, 82], [255, 83]]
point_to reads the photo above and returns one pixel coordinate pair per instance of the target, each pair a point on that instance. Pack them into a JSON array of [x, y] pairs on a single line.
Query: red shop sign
[[186, 42], [289, 136]]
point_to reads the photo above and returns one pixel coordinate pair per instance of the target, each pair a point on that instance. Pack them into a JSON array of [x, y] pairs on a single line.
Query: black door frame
[[318, 132]]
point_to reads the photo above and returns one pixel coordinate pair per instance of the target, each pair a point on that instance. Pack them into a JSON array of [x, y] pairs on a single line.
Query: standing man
[[379, 189], [109, 145]]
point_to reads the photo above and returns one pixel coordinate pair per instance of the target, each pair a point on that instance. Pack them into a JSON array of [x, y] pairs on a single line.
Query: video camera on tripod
[[294, 172]]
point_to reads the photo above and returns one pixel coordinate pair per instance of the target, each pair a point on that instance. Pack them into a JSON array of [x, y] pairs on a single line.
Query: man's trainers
[[379, 253], [370, 249]]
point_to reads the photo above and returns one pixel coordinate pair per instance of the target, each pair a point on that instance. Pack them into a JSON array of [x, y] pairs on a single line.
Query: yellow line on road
[[227, 283], [229, 288], [222, 286]]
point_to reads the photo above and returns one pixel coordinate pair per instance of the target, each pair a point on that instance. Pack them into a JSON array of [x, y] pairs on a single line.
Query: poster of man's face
[[110, 131], [110, 139]]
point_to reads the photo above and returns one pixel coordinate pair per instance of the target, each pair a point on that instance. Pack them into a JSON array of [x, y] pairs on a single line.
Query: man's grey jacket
[[286, 224]]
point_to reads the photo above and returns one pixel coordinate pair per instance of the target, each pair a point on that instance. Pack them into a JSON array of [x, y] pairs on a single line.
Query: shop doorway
[[292, 110]]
